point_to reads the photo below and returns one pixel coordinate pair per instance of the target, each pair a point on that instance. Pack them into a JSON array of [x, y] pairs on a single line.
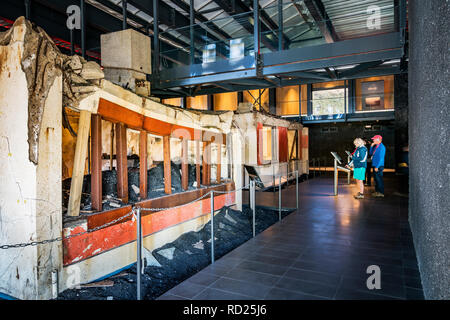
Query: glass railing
[[231, 38], [337, 105]]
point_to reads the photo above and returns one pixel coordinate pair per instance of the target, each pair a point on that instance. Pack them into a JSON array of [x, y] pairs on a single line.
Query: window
[[236, 48], [209, 53], [329, 101]]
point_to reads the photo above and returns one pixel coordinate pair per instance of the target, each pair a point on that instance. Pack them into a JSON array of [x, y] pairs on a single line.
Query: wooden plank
[[79, 163], [143, 164], [167, 166], [282, 144], [100, 218], [98, 284], [197, 163], [96, 154], [294, 143], [219, 163], [206, 164], [184, 165], [122, 162], [115, 113], [111, 151]]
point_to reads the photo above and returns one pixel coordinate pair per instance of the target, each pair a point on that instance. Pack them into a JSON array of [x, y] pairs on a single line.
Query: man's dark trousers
[[378, 177]]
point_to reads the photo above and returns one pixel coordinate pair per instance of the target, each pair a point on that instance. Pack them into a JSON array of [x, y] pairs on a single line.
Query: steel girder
[[253, 84], [291, 63]]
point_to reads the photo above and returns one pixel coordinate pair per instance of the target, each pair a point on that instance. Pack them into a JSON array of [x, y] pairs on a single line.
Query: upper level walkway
[[321, 251]]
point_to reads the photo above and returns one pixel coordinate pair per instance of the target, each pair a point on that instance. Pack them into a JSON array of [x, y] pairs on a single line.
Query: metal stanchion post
[[273, 176], [296, 187], [139, 252], [279, 200], [254, 204], [212, 227], [250, 195], [287, 173], [335, 178]]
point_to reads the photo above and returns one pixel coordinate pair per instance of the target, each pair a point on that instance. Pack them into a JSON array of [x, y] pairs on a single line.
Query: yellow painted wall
[[304, 94], [287, 100], [328, 85], [198, 102], [247, 97], [173, 102], [225, 101]]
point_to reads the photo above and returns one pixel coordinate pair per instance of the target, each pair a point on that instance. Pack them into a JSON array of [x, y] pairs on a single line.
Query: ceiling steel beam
[[170, 17], [359, 68], [198, 16], [240, 8], [319, 14], [208, 89]]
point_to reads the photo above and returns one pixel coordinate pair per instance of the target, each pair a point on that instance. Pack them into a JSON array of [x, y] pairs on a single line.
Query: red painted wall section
[[259, 141], [305, 141], [282, 144], [85, 246]]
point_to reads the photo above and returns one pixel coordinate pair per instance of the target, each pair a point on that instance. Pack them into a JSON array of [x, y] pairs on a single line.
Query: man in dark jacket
[[378, 152]]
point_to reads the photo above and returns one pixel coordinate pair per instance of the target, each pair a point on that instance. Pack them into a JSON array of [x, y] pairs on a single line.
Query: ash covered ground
[[174, 262]]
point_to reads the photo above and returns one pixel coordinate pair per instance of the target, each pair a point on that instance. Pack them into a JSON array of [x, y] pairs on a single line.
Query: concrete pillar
[[429, 118], [30, 195]]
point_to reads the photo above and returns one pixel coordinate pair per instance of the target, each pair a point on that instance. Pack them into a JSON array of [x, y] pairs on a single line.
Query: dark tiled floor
[[322, 251]]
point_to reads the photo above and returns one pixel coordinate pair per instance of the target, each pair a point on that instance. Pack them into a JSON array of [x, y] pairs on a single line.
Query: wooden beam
[[115, 113], [167, 166], [294, 143], [209, 148], [111, 151], [122, 162], [184, 165], [206, 176], [79, 163], [197, 163], [143, 164], [96, 154], [219, 163]]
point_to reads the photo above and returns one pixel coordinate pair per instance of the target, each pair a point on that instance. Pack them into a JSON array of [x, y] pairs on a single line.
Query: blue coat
[[359, 158], [378, 155]]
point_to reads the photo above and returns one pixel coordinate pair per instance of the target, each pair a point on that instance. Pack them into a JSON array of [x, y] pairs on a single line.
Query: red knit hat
[[377, 137]]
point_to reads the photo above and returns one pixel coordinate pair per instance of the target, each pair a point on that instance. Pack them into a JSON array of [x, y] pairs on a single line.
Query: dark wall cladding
[[338, 137], [429, 121]]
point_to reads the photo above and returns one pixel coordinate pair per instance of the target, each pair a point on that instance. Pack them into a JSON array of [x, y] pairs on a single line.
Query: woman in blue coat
[[359, 163]]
